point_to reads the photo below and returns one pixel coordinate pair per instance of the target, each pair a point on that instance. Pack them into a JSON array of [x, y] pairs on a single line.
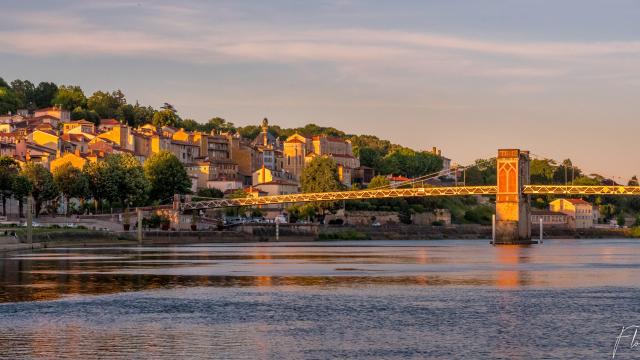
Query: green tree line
[[120, 180]]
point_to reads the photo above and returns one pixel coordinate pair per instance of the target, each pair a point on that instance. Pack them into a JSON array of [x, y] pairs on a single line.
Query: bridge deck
[[409, 192]]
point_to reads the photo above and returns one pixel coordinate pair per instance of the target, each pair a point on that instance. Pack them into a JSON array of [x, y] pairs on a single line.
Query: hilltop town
[[125, 155]]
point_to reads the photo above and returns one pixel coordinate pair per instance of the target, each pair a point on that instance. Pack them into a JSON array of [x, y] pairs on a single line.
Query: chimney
[[434, 150], [439, 152]]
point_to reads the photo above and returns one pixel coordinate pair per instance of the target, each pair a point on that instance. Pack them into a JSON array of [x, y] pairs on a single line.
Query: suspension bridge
[[512, 193]]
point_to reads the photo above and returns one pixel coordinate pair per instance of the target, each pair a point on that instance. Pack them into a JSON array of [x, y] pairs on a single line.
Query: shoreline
[[57, 238]]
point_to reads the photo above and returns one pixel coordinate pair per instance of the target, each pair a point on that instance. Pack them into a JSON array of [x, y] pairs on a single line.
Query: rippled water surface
[[368, 299]]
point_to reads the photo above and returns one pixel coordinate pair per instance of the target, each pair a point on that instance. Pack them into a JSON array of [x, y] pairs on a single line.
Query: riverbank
[[54, 237]]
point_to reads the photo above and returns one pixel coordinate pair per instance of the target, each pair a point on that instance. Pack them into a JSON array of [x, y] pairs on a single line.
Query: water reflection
[[510, 274], [54, 273]]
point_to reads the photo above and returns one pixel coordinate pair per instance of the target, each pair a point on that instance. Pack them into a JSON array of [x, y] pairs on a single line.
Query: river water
[[565, 299]]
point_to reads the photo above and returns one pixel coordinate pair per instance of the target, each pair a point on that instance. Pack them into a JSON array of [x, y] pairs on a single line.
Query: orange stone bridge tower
[[513, 212]]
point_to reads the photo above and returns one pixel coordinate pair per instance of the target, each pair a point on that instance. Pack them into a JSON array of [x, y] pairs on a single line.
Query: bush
[[635, 232], [479, 215], [155, 221], [437, 223]]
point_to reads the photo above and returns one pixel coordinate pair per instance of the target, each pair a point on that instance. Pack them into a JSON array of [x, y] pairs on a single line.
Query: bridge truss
[[342, 195], [581, 190], [407, 192]]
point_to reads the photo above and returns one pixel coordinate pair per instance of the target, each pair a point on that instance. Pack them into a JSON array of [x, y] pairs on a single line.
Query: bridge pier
[[513, 213]]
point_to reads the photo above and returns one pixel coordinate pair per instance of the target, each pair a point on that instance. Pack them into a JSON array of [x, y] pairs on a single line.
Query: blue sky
[[560, 78]]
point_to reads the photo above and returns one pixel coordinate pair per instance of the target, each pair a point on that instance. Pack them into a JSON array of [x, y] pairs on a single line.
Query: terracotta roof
[[48, 109], [120, 149], [294, 140], [81, 121], [44, 126], [73, 137], [110, 122], [40, 148], [398, 178], [42, 117], [252, 189], [278, 182], [50, 132]]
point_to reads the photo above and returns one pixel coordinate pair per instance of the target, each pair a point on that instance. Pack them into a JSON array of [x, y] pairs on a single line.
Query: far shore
[[56, 238]]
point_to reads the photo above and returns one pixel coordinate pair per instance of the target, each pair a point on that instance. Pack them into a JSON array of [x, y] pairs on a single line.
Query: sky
[[559, 78]]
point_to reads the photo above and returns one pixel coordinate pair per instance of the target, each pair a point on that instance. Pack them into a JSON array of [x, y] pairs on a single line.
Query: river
[[447, 299]]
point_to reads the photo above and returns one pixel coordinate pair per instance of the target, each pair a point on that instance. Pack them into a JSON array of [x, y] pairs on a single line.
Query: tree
[[238, 194], [482, 172], [25, 91], [542, 171], [44, 93], [9, 102], [211, 193], [70, 97], [71, 182], [621, 220], [106, 104], [142, 115], [99, 180], [218, 124], [404, 214], [169, 107], [8, 170], [166, 175], [21, 189], [320, 175], [406, 162], [79, 113], [378, 181], [633, 181], [43, 187], [165, 118], [124, 178], [566, 172], [249, 131], [190, 125]]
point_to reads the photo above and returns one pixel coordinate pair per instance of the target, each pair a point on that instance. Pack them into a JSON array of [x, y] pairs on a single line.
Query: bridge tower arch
[[513, 212]]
